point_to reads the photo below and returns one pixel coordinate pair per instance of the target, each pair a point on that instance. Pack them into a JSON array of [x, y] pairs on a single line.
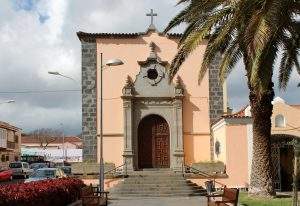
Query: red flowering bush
[[52, 192]]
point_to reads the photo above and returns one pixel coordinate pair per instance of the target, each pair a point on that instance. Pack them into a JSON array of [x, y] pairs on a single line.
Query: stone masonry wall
[[89, 100], [215, 96]]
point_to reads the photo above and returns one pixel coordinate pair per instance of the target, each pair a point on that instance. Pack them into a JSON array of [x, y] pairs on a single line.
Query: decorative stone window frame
[[138, 103]]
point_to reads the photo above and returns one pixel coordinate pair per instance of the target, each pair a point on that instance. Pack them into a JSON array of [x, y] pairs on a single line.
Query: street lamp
[[111, 62], [63, 143], [62, 75], [8, 101]]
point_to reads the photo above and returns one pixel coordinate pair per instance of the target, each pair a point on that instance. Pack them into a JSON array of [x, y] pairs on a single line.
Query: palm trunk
[[261, 179]]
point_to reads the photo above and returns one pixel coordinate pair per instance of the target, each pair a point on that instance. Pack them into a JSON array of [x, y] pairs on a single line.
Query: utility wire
[[69, 90], [38, 91]]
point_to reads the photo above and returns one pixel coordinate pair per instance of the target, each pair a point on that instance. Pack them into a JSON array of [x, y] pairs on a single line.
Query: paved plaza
[[164, 201]]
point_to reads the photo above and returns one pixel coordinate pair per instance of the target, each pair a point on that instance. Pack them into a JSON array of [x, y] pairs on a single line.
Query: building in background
[[56, 149], [10, 138], [233, 144]]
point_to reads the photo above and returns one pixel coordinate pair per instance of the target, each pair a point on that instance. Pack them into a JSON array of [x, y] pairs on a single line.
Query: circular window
[[152, 74]]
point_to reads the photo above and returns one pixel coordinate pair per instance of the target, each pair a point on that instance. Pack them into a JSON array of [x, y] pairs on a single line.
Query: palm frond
[[180, 18], [177, 62], [260, 39], [211, 21], [218, 42], [285, 70], [182, 1], [229, 59], [193, 38], [290, 58]]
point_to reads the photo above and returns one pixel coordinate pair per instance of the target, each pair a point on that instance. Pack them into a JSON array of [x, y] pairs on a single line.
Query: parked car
[[39, 165], [62, 164], [20, 169], [46, 173], [67, 170], [6, 174]]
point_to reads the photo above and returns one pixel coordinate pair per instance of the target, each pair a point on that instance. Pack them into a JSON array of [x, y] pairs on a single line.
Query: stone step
[[155, 175], [156, 184], [154, 188], [159, 193], [154, 181], [156, 192], [118, 195]]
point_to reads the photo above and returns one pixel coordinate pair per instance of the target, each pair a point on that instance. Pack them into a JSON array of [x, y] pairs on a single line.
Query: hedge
[[52, 192]]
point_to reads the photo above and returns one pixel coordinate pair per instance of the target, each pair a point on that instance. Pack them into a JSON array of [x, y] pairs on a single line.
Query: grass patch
[[250, 201]]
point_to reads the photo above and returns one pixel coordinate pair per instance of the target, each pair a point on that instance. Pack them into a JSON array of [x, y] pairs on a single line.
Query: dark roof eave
[[91, 37]]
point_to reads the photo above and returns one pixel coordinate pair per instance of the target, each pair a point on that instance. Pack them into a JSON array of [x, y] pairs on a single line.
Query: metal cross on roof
[[152, 14]]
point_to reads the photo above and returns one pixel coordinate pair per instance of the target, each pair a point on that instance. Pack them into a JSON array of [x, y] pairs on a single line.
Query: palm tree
[[254, 31]]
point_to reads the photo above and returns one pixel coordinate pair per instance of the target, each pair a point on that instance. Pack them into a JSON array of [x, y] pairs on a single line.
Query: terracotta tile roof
[[26, 139], [239, 114]]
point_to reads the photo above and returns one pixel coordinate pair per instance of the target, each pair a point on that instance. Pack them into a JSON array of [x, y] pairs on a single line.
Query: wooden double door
[[153, 143]]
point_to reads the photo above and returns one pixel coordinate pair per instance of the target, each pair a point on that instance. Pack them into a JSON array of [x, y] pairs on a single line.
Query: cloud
[[31, 47], [38, 35]]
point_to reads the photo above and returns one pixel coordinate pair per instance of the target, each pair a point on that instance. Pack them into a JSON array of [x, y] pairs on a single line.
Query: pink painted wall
[[292, 118], [236, 156], [233, 139], [195, 109], [196, 148]]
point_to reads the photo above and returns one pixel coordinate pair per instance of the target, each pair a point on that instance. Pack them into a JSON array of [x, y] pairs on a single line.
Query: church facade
[[148, 121]]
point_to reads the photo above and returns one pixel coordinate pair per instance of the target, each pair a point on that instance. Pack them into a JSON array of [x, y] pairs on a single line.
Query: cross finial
[[152, 15]]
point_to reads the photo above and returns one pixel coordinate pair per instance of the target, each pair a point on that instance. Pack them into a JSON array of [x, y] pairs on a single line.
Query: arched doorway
[[153, 143], [283, 161]]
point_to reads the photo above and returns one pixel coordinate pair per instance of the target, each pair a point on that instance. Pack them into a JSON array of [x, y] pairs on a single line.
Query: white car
[[46, 173], [20, 169]]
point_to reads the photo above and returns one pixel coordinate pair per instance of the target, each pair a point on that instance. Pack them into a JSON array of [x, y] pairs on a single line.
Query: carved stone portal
[[152, 94]]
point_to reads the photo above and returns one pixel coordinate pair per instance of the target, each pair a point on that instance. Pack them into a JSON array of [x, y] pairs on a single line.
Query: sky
[[37, 36]]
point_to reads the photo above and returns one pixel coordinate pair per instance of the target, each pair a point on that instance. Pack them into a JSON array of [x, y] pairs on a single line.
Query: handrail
[[113, 169], [208, 176]]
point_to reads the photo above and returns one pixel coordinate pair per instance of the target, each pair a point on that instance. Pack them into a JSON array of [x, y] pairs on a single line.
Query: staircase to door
[[155, 183]]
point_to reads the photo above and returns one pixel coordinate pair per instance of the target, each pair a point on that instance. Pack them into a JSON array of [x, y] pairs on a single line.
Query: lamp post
[[296, 144], [111, 62], [62, 75], [62, 126], [63, 143], [8, 101], [295, 176]]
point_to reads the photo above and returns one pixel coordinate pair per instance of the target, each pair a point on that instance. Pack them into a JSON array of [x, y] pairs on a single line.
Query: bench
[[91, 196], [228, 197]]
